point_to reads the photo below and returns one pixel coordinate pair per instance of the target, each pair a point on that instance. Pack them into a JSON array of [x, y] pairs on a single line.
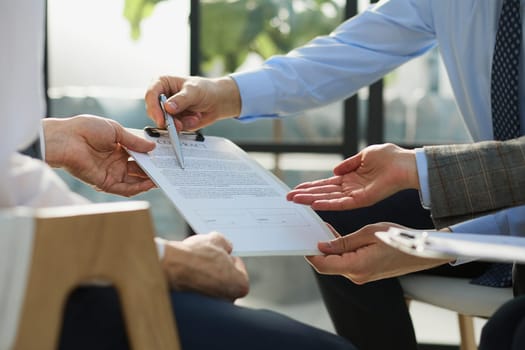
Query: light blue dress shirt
[[371, 44], [510, 222], [366, 47]]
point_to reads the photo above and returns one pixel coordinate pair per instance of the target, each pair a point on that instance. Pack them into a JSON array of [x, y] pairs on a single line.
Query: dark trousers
[[505, 330], [93, 320], [374, 315]]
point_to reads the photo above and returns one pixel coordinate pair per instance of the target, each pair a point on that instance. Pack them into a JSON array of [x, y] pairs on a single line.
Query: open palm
[[373, 174]]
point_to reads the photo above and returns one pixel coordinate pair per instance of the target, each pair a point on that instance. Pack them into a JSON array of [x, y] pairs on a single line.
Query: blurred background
[[102, 55]]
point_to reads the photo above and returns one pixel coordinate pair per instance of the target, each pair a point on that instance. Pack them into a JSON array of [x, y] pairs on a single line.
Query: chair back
[[110, 242]]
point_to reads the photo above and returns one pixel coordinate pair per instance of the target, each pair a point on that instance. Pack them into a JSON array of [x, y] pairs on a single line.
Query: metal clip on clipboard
[[417, 243], [153, 131]]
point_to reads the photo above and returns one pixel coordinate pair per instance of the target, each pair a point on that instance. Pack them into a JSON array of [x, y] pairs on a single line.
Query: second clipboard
[[467, 246]]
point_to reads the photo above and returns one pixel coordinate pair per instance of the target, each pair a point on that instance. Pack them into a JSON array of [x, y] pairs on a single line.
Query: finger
[[240, 266], [191, 122], [310, 198], [333, 230], [129, 189], [334, 180], [135, 170], [312, 190], [180, 102], [338, 245], [348, 165], [238, 286], [331, 264], [153, 109], [134, 142], [179, 105], [337, 204], [219, 240]]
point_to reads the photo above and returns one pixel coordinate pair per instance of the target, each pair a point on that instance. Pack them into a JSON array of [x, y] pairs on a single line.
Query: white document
[[431, 244], [222, 189]]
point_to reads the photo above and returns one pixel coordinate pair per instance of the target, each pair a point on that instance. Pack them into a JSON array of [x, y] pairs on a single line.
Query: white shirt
[[24, 181]]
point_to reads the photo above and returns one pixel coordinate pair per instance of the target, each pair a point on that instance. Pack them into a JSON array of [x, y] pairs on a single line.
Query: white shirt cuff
[[161, 246], [422, 173], [42, 141], [257, 94]]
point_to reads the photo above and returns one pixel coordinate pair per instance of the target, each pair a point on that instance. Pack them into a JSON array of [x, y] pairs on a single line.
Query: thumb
[[179, 106], [181, 101], [134, 142], [335, 246]]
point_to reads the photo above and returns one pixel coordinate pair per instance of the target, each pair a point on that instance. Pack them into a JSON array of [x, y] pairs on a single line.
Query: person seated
[[457, 175], [204, 277]]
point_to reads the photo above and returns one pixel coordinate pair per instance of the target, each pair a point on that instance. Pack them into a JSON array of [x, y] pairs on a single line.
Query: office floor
[[287, 285]]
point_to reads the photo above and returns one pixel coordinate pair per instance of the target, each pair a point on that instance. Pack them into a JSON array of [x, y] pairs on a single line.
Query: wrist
[[174, 261], [229, 97], [54, 141], [408, 161]]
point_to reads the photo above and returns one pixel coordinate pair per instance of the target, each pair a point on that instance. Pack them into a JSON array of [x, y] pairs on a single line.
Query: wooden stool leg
[[466, 331]]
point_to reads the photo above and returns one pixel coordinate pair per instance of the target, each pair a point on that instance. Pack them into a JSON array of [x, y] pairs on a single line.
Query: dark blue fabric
[[92, 320], [505, 330], [504, 87], [504, 92], [498, 275]]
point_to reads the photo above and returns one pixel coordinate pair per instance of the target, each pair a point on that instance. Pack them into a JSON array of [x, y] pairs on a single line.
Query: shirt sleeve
[[332, 67], [37, 185], [510, 222], [42, 142], [505, 222], [422, 173], [160, 243]]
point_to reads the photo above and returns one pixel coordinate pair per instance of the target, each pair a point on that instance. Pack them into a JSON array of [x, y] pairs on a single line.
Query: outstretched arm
[[373, 174], [93, 149]]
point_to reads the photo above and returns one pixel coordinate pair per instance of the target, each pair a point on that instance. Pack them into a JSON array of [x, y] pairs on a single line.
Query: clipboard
[[221, 188], [446, 245]]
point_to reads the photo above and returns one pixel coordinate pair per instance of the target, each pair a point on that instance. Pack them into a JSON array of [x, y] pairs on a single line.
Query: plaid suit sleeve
[[469, 180]]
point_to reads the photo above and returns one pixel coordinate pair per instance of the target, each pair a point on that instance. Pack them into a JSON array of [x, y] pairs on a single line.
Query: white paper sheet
[[222, 189]]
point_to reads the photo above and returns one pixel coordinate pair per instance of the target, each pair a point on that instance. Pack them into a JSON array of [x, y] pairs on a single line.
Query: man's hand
[[373, 174], [93, 149], [194, 102], [202, 263], [362, 257]]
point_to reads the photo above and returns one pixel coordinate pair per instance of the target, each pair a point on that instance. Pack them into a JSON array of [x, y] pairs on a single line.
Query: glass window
[[99, 64], [239, 35]]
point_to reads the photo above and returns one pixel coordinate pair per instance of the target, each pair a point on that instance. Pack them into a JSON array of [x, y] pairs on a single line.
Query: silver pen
[[172, 131]]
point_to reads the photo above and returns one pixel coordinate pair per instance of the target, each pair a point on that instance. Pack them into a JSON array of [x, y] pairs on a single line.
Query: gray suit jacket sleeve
[[469, 180]]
